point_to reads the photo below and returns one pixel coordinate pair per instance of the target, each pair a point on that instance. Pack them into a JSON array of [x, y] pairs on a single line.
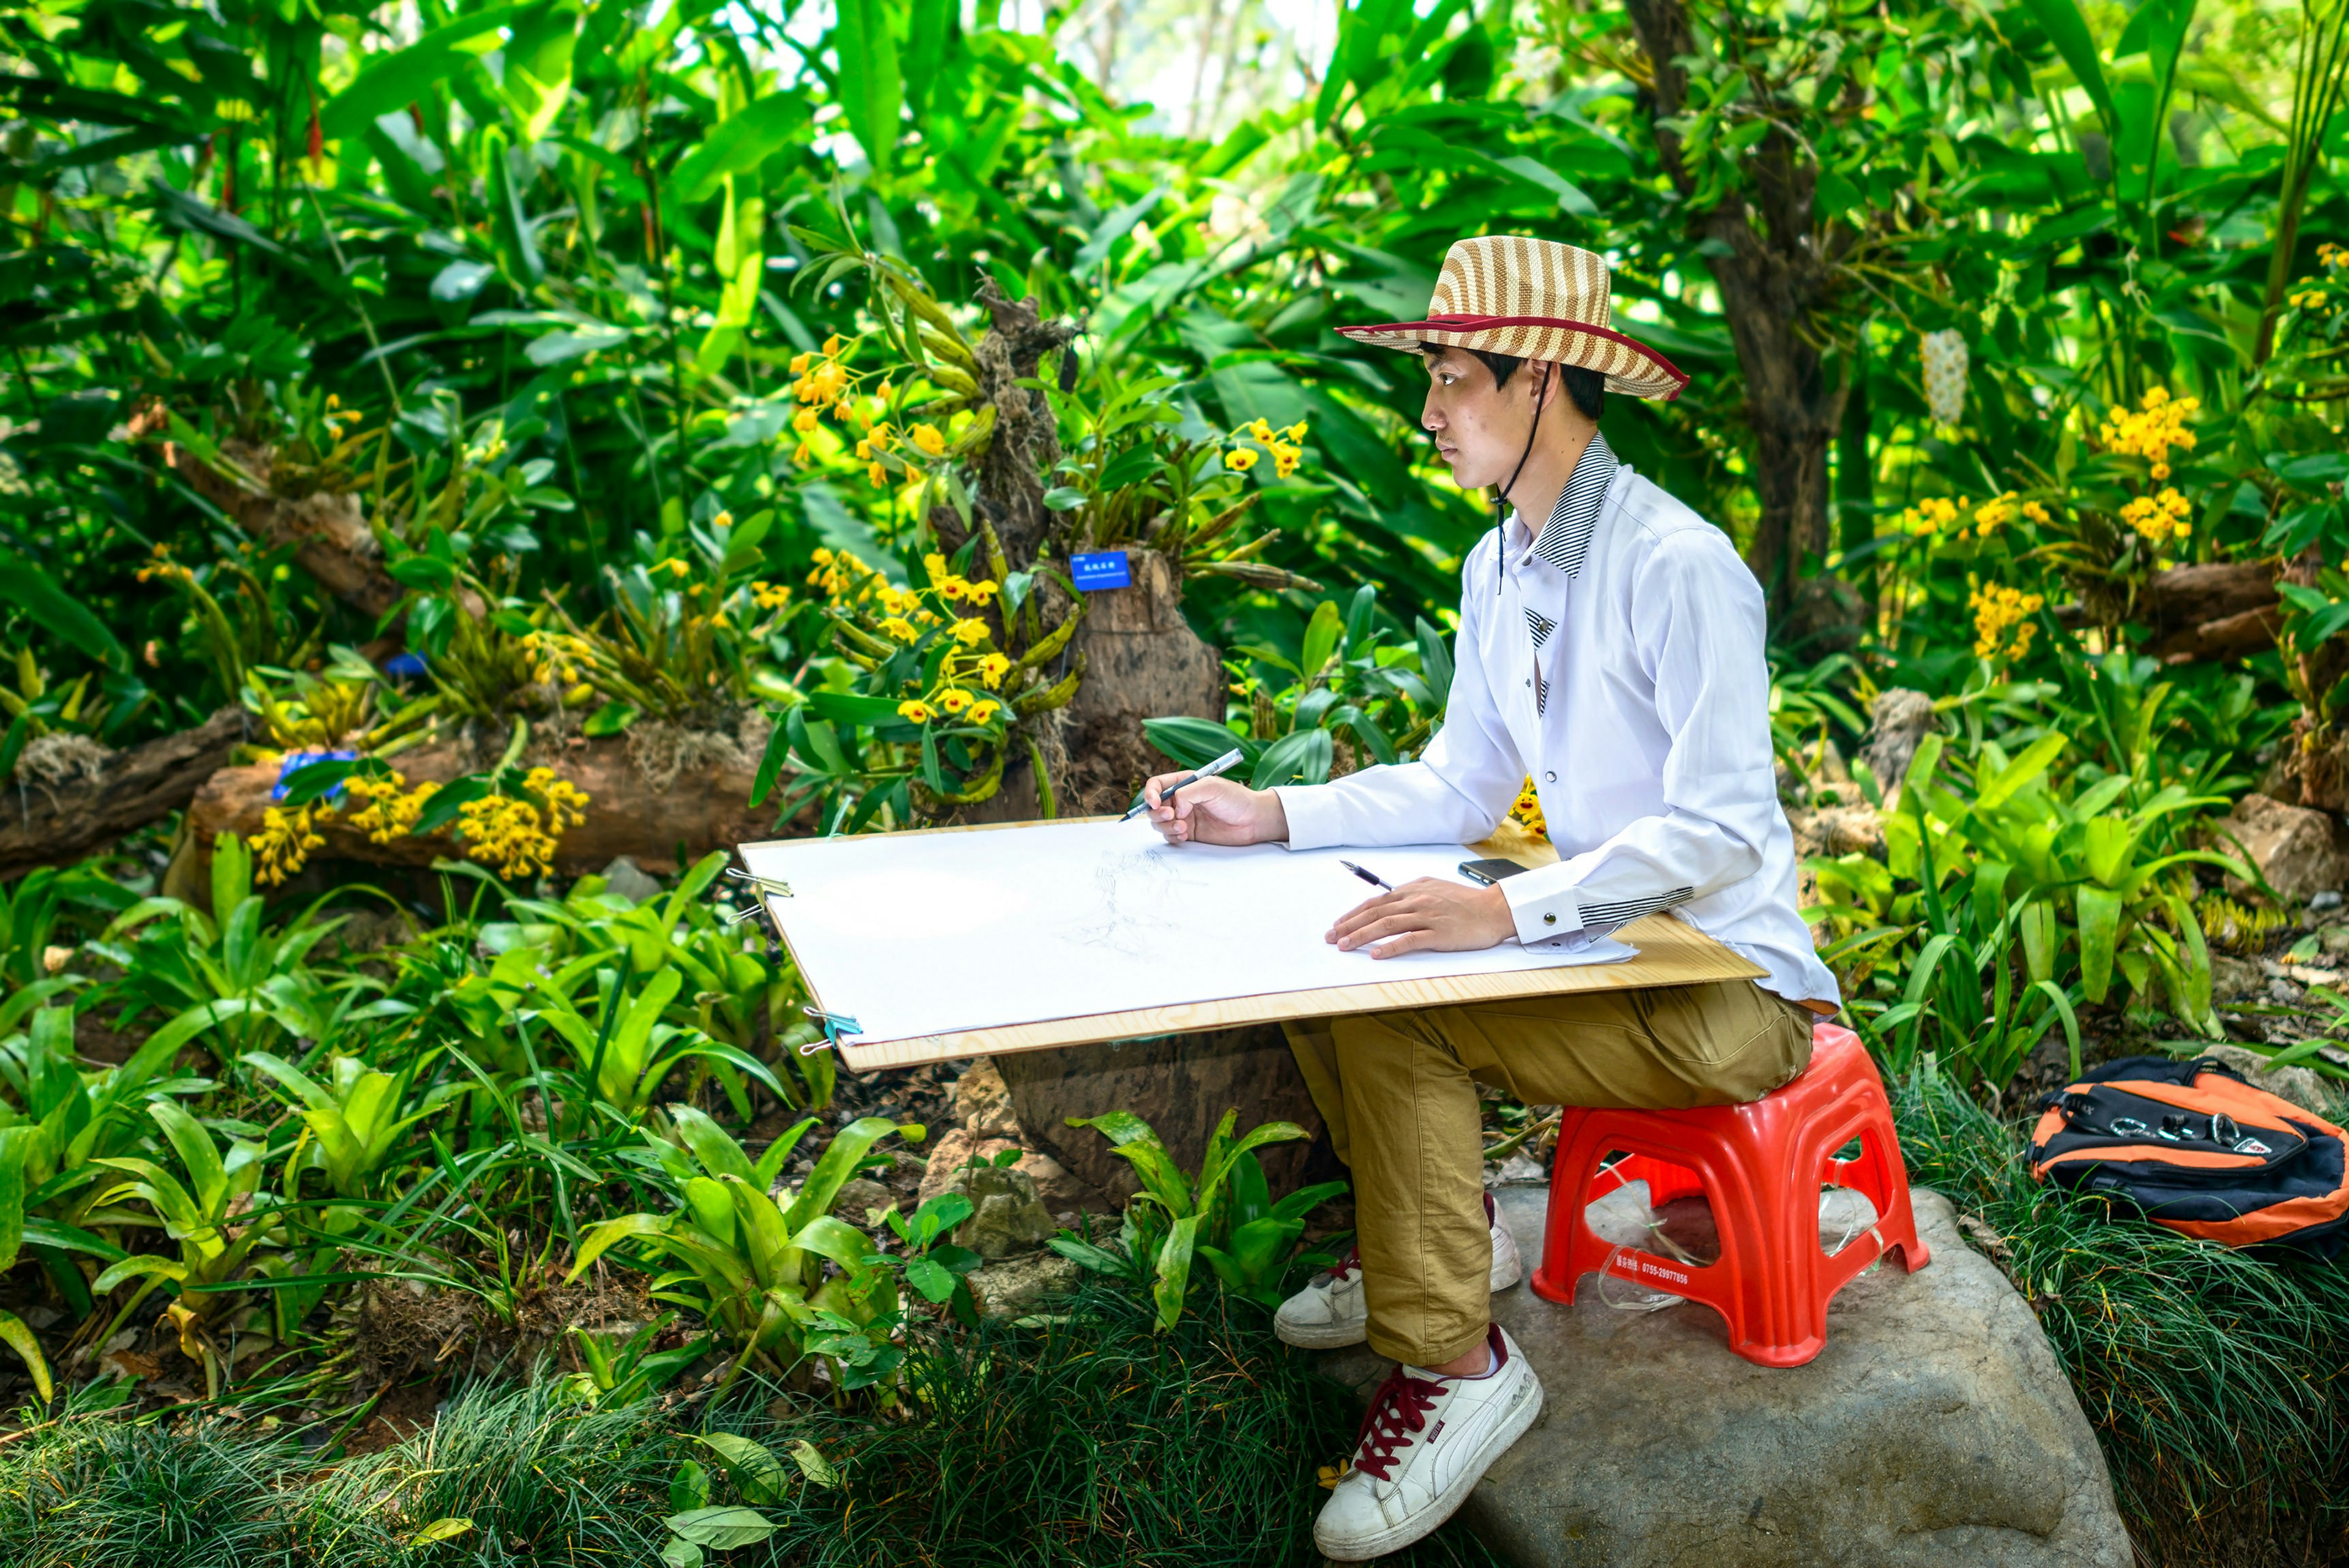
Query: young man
[[1611, 647]]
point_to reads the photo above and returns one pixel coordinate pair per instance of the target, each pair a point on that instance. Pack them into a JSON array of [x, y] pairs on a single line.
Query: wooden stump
[[1180, 1084]]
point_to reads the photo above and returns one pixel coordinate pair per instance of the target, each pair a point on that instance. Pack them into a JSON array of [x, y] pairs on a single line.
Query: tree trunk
[[100, 798], [1776, 272], [1180, 1084], [1140, 658]]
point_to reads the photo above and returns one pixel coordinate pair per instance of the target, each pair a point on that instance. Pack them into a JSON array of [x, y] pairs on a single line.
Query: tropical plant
[[753, 1264], [1225, 1216]]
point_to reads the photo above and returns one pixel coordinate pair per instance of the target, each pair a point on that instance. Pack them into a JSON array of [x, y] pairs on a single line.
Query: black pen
[[1373, 878]]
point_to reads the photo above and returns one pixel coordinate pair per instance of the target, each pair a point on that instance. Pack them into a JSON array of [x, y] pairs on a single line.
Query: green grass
[[1091, 1441], [2217, 1380], [542, 1483]]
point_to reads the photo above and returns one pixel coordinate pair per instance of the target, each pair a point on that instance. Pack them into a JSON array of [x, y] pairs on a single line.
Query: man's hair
[[1588, 388]]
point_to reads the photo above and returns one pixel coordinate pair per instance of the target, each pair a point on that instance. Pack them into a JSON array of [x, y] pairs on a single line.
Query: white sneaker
[[1329, 1312], [1426, 1442]]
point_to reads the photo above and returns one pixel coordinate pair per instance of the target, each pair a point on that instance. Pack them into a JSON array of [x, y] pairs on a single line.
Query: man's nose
[[1431, 418]]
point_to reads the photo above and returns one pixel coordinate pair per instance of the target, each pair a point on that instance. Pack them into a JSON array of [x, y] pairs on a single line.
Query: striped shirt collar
[[1566, 538]]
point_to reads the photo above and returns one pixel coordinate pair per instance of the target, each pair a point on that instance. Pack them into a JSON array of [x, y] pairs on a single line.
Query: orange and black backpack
[[2197, 1149]]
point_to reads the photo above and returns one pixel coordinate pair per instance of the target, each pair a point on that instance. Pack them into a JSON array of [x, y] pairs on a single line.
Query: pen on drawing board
[[1373, 878], [1228, 760]]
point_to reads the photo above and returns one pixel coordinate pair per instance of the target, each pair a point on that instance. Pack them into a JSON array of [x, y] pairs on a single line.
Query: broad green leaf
[[719, 1153], [597, 1241], [753, 1466], [49, 607], [871, 91], [2026, 768], [1301, 756], [2098, 911], [721, 1529], [739, 145], [835, 1167], [444, 1529], [2068, 31], [27, 1346], [1322, 635], [1172, 1281], [137, 1268], [393, 81], [813, 1464], [517, 247]]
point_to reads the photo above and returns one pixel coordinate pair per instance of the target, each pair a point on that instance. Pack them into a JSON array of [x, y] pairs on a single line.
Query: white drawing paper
[[935, 933]]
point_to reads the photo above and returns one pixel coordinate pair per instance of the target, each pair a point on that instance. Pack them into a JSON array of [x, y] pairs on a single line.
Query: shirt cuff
[[1543, 904], [1314, 816]]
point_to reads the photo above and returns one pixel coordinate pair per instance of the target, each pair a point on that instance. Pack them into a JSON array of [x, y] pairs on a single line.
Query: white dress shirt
[[1617, 658]]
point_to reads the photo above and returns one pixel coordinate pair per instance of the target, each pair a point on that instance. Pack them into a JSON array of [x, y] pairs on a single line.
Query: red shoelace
[[1399, 1409]]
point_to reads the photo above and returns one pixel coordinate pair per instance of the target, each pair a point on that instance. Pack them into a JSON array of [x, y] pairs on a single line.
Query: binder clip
[[835, 1024], [766, 885]]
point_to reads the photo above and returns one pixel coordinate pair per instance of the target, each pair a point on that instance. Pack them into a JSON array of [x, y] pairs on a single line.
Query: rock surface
[[1936, 1431], [1014, 1287], [2301, 1086], [1007, 1214], [2301, 852], [629, 881], [955, 1147]]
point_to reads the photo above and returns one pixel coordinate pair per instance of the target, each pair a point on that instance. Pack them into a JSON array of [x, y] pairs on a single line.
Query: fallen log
[[328, 530], [2212, 609], [105, 794], [663, 824]]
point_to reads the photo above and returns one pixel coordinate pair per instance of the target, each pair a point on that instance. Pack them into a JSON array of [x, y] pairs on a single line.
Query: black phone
[[1484, 872]]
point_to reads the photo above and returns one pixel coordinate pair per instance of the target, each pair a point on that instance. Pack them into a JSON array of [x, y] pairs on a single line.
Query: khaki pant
[[1398, 1091]]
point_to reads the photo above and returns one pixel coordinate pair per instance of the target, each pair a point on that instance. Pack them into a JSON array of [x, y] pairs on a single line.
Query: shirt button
[[1550, 778], [1529, 680], [1550, 919]]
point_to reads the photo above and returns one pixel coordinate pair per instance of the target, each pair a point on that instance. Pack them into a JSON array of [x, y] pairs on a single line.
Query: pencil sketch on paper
[[1135, 892], [1090, 917]]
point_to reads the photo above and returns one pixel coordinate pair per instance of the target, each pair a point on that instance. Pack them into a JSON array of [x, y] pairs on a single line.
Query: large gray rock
[[1936, 1428], [2301, 852]]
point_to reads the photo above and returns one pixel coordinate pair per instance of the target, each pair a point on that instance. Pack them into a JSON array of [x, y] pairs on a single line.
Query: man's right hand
[[1215, 811]]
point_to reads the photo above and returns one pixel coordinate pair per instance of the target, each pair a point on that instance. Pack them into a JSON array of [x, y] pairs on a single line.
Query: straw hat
[[1534, 299]]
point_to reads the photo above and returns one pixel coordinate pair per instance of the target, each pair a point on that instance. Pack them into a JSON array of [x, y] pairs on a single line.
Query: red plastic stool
[[1761, 1165]]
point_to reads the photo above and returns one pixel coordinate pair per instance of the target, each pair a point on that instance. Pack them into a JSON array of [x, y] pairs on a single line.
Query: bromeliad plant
[[228, 977], [778, 1277], [227, 1228], [1227, 1216]]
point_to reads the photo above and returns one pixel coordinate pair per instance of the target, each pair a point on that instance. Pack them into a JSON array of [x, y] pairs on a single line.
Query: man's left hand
[[1426, 916]]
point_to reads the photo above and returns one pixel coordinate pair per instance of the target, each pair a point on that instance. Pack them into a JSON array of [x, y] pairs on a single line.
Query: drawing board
[[957, 942]]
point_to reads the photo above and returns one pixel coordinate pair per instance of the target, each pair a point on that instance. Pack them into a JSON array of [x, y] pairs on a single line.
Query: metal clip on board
[[835, 1024], [765, 885]]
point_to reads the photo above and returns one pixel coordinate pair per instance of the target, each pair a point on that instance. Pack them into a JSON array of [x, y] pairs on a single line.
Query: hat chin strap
[[1501, 496]]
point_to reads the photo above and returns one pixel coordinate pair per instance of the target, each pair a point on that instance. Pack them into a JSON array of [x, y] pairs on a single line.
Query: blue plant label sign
[[296, 760], [1103, 569]]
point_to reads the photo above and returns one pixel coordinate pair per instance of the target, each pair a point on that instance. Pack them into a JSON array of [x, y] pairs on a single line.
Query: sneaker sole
[[1508, 1268], [1448, 1502]]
